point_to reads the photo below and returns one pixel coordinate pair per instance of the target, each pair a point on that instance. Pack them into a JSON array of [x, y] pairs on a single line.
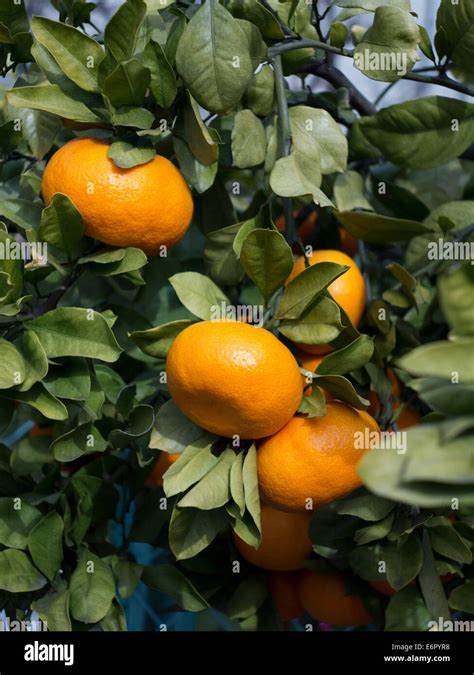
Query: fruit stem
[[284, 142]]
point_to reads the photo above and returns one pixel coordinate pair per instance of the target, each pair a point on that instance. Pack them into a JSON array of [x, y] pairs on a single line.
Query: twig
[[284, 142], [444, 81]]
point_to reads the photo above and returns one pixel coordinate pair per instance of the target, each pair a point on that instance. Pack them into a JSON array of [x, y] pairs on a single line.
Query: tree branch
[[337, 79], [291, 43]]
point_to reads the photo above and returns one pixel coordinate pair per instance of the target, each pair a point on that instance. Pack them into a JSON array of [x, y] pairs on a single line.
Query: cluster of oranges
[[238, 380]]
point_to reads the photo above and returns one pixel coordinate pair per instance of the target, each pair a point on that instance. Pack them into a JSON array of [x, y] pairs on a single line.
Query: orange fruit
[[311, 362], [348, 290], [147, 206], [325, 598], [283, 588], [305, 228], [285, 541], [313, 458], [409, 417], [232, 378], [165, 460]]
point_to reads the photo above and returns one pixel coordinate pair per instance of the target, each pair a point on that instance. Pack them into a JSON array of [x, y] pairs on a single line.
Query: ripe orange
[[348, 290], [283, 587], [305, 228], [285, 541], [348, 242], [325, 598], [233, 379], [165, 460], [148, 206], [313, 458]]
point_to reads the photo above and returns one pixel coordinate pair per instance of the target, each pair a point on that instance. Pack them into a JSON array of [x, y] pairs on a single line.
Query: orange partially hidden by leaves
[[348, 290], [311, 362], [305, 228], [283, 588], [41, 431], [313, 458], [325, 598], [233, 379], [147, 206], [165, 460], [348, 242], [285, 541]]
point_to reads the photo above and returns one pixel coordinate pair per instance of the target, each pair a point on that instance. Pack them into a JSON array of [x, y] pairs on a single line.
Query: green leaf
[[342, 389], [444, 396], [441, 359], [376, 229], [122, 31], [12, 365], [61, 225], [76, 53], [17, 518], [196, 462], [127, 84], [375, 531], [200, 176], [130, 116], [83, 439], [173, 431], [71, 380], [250, 478], [53, 609], [197, 135], [314, 404], [139, 425], [456, 298], [237, 490], [45, 544], [462, 598], [72, 331], [163, 80], [422, 133], [157, 341], [457, 23], [198, 294], [220, 257], [318, 325], [115, 620], [128, 575], [449, 543], [388, 48], [338, 34], [247, 598], [34, 356], [302, 291], [317, 137], [249, 143], [17, 574], [170, 581], [40, 399], [403, 560], [349, 192], [126, 156], [425, 44], [259, 15], [294, 176], [92, 589], [267, 260], [116, 261], [366, 507], [213, 490], [407, 611], [213, 58], [349, 358], [192, 530], [260, 93], [50, 99]]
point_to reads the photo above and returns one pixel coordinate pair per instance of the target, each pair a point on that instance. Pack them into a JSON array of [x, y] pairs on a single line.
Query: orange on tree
[[348, 290], [165, 460], [38, 430], [311, 362], [409, 416], [348, 242], [285, 543], [325, 598], [305, 228], [313, 458], [147, 206], [283, 587], [233, 379]]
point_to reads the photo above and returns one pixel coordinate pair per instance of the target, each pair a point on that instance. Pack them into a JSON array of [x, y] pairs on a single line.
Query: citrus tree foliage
[[84, 338]]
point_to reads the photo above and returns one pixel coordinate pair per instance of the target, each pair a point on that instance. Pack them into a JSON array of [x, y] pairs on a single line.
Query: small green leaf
[[12, 365], [163, 80], [51, 99], [17, 574], [61, 225], [192, 530], [267, 260], [170, 581], [127, 84], [92, 588], [198, 294], [173, 431], [195, 462], [157, 341], [83, 439], [249, 142], [249, 475], [302, 291], [403, 560], [213, 490], [53, 609], [17, 518], [45, 544], [376, 229]]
